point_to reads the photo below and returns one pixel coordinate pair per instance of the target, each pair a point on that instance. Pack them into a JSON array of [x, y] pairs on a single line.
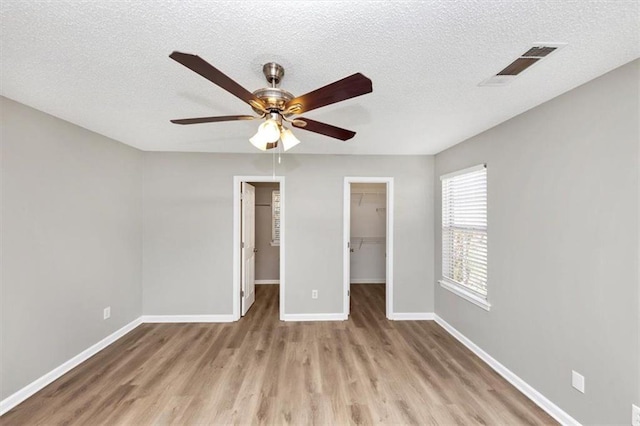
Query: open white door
[[248, 247]]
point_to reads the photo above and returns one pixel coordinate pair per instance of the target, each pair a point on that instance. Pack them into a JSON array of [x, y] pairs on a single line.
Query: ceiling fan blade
[[323, 128], [197, 64], [213, 119], [347, 88]]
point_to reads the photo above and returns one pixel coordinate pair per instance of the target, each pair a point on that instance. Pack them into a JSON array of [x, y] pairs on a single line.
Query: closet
[[267, 233], [368, 230]]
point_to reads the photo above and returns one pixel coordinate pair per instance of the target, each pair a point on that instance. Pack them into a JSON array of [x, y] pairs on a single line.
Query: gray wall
[[268, 256], [563, 246], [188, 236], [71, 241]]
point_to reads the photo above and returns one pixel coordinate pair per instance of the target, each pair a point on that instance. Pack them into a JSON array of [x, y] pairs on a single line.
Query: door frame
[[237, 180], [346, 266]]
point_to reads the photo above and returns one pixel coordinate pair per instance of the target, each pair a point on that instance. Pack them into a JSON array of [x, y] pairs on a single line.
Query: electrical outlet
[[577, 381], [635, 415], [106, 313], [314, 294]]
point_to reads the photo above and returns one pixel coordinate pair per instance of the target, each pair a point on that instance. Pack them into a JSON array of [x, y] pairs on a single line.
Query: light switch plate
[[107, 312], [635, 415], [577, 381]]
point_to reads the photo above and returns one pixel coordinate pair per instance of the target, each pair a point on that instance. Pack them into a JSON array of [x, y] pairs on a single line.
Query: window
[[464, 234], [275, 218]]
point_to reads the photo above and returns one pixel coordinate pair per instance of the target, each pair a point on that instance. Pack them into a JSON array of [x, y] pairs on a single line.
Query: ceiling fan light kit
[[268, 134], [276, 105]]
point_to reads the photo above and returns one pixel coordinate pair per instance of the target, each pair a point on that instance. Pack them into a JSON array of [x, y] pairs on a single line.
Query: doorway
[[258, 242], [368, 241]]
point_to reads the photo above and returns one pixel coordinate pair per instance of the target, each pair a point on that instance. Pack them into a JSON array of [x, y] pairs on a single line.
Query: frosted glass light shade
[[259, 141], [288, 139], [271, 130], [268, 132]]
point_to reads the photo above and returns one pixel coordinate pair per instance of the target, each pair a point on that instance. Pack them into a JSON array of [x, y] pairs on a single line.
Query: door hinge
[[348, 293], [241, 196], [242, 244], [241, 293], [348, 244]]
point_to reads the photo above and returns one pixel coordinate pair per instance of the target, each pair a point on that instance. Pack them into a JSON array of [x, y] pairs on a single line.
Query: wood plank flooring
[[366, 370]]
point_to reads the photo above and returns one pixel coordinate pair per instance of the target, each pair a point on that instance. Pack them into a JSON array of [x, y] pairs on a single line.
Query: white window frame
[[455, 287], [275, 217]]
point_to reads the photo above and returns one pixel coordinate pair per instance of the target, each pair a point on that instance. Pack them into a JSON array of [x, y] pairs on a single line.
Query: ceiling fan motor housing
[[273, 97]]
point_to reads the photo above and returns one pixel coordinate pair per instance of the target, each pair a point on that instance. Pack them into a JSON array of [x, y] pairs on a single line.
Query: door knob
[[255, 250]]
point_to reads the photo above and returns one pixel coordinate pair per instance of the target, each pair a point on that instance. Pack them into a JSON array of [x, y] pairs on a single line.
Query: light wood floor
[[262, 371]]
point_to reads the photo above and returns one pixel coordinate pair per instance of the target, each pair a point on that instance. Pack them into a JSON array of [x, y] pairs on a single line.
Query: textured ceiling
[[104, 64]]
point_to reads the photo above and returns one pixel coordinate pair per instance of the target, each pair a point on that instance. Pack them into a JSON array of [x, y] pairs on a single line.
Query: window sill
[[465, 294], [275, 243]]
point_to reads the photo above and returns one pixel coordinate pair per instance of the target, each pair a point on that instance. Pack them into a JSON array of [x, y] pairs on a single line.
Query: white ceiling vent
[[533, 55]]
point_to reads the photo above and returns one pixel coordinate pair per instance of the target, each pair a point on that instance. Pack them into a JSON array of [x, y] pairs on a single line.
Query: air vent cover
[[533, 55], [538, 52], [519, 65]]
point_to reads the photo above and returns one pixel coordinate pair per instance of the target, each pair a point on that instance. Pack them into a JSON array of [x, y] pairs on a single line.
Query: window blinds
[[275, 216], [464, 229]]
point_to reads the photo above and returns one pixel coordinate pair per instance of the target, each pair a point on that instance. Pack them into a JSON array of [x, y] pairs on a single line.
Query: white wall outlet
[[577, 381], [107, 313], [314, 294], [635, 415]]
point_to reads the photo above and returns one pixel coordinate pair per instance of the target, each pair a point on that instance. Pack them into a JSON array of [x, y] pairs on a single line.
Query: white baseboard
[[368, 280], [552, 409], [11, 401], [187, 318], [412, 316], [260, 282], [314, 317]]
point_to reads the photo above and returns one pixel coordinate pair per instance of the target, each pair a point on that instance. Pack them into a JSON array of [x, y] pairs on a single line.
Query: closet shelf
[[366, 240]]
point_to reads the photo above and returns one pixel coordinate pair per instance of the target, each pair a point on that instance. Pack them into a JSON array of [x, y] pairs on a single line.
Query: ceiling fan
[[277, 106]]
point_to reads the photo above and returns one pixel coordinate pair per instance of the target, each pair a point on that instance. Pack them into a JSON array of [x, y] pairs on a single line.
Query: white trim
[[465, 294], [413, 316], [315, 317], [552, 409], [463, 171], [237, 180], [368, 280], [261, 282], [187, 318], [16, 398], [346, 225]]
